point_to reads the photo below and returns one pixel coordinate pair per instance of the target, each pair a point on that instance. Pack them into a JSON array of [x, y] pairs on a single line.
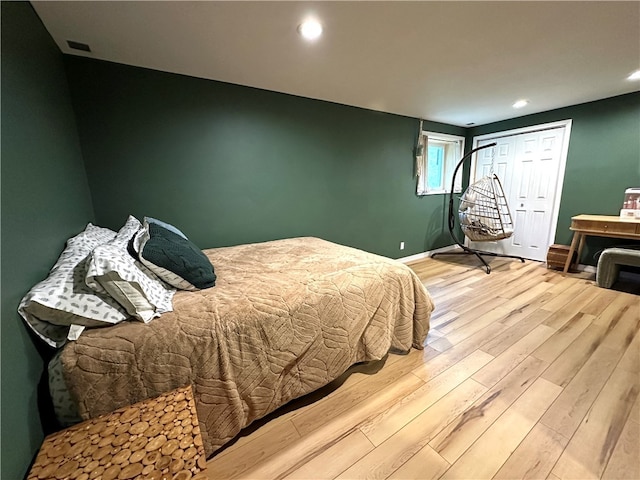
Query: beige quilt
[[285, 318]]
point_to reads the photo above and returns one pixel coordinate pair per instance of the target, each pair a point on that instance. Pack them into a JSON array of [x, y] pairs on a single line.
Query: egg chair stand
[[486, 198]]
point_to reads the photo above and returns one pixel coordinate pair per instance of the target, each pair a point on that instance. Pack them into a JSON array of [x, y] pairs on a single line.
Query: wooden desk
[[600, 226]]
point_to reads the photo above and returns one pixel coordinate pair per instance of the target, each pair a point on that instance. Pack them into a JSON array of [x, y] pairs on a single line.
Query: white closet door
[[503, 161], [528, 166]]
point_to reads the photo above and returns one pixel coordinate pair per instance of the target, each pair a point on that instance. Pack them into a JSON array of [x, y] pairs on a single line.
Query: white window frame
[[451, 159]]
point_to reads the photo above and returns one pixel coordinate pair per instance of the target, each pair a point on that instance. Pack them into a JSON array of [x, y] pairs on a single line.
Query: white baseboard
[[427, 254]]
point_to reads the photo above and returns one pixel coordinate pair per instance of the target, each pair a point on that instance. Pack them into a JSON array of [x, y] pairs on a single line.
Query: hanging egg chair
[[484, 212]]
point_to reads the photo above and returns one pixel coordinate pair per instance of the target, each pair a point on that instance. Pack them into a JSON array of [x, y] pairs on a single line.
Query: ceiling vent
[[78, 46]]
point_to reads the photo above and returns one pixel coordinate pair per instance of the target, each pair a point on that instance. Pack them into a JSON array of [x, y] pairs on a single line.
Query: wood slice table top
[[154, 439]]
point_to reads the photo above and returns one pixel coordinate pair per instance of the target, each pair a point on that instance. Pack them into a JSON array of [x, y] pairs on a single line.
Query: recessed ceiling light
[[521, 103], [310, 29], [634, 76]]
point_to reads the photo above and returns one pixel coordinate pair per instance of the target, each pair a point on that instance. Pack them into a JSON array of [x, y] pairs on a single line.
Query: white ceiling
[[452, 62]]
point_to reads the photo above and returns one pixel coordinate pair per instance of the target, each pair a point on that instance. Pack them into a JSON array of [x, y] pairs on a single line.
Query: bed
[[285, 318]]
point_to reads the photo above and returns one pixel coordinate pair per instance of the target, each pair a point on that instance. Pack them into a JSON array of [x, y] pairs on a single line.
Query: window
[[440, 155]]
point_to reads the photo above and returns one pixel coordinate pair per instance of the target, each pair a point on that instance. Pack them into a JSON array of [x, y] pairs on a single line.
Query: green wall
[[45, 199], [603, 160], [230, 164]]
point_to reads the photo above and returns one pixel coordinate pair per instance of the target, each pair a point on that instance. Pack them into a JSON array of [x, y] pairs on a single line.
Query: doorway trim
[[566, 124]]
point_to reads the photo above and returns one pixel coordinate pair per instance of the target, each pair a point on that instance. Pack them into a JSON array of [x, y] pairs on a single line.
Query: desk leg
[[583, 237], [574, 242]]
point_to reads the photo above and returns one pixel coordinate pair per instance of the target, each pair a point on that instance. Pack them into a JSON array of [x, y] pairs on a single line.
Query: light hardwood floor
[[526, 373]]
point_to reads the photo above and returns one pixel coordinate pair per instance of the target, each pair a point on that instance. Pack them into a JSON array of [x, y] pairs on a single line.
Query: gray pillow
[[168, 226]]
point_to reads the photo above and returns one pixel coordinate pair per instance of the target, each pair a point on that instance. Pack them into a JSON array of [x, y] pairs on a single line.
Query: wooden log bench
[[155, 439], [611, 260]]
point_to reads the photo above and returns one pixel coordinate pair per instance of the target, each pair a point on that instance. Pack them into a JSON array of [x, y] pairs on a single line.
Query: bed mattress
[[285, 318]]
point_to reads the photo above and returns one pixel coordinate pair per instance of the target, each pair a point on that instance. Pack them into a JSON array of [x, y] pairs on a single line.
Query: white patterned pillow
[[112, 270], [60, 306]]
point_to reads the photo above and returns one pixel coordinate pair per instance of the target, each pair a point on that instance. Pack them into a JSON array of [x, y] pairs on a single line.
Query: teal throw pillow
[[174, 258]]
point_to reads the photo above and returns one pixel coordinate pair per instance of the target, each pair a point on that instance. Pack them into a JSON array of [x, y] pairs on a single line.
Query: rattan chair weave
[[484, 212]]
